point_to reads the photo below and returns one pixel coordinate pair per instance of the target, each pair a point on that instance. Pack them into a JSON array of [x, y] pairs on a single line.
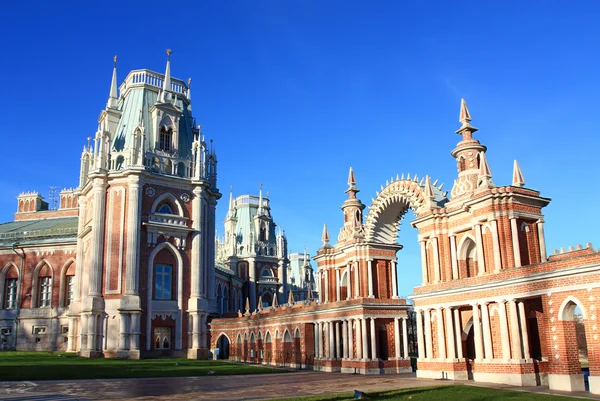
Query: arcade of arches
[[492, 307]]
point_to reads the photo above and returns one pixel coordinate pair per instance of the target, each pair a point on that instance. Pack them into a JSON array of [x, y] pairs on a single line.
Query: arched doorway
[[573, 318], [223, 346]]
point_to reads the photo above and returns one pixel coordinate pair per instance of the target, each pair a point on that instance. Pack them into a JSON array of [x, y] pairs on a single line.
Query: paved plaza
[[244, 387]]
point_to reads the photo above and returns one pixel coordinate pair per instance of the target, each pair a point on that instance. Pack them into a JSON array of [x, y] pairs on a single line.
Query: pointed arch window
[[163, 287], [165, 209], [10, 300], [165, 138], [45, 292]]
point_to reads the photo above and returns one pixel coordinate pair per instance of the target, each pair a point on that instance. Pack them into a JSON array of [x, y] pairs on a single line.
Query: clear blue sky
[[295, 92]]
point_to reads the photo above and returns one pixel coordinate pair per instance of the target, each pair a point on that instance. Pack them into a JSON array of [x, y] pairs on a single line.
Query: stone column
[[350, 339], [480, 254], [424, 262], [79, 259], [338, 353], [420, 341], [496, 244], [504, 330], [515, 333], [345, 337], [440, 334], [359, 343], [363, 336], [124, 331], [373, 339], [370, 278], [196, 329], [71, 336], [316, 339], [453, 259], [83, 327], [320, 277], [436, 261], [97, 242], [252, 283], [394, 280], [348, 284], [326, 289], [338, 295], [458, 332], [133, 236], [135, 331], [331, 345], [397, 337], [91, 332], [514, 231], [477, 333], [356, 280], [523, 319], [203, 328], [450, 334], [542, 240], [210, 238], [487, 335], [428, 337], [405, 337]]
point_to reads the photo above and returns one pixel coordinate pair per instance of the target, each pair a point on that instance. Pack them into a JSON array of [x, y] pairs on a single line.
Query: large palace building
[[129, 265]]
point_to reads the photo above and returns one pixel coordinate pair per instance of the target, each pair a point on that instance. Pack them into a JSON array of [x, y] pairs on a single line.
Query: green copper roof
[[41, 230]]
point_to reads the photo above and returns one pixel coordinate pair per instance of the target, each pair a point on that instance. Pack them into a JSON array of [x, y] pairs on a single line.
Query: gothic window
[[69, 287], [162, 338], [461, 163], [45, 292], [10, 300], [263, 234], [165, 209], [163, 282], [165, 138]]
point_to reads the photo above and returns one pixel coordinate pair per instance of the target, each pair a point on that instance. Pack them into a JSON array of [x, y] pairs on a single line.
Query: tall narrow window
[[69, 289], [45, 298], [165, 138], [10, 301], [163, 276]]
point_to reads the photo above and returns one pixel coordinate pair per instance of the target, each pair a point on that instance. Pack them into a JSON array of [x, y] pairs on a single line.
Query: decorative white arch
[[383, 221], [62, 298], [297, 332], [268, 338], [150, 274], [167, 196], [567, 308], [226, 336], [34, 285], [252, 338], [462, 249], [3, 274], [287, 337]]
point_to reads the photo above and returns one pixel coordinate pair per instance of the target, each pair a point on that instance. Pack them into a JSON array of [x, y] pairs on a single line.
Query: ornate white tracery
[[383, 221]]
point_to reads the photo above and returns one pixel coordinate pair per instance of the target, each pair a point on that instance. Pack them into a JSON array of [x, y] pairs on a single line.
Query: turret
[[467, 154], [352, 208]]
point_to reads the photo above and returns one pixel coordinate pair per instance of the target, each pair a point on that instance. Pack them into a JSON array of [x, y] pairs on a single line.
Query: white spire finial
[[351, 178], [167, 82], [260, 200], [518, 180], [325, 236], [465, 116], [428, 188], [112, 97], [484, 180]]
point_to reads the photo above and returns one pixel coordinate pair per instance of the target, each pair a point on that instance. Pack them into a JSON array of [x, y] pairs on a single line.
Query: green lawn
[[443, 393], [63, 366]]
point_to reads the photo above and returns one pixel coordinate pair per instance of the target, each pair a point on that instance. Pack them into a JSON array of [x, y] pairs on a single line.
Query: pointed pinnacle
[[416, 178], [397, 177], [518, 180], [408, 177], [435, 182], [465, 116], [484, 168], [351, 178], [421, 182], [441, 186], [325, 235], [428, 188]]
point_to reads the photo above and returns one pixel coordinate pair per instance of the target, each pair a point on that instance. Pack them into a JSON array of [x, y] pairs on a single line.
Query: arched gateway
[[490, 303]]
